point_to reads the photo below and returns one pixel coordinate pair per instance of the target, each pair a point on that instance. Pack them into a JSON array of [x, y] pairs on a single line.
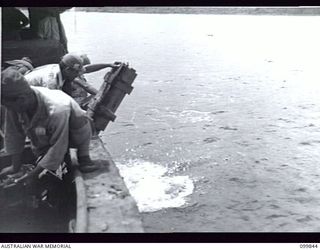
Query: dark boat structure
[[94, 202]]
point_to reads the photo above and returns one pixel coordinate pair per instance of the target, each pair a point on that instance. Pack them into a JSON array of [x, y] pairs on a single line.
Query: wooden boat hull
[[104, 204]]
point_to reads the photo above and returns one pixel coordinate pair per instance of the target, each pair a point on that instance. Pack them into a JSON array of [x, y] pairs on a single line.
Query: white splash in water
[[151, 188], [190, 116], [194, 116]]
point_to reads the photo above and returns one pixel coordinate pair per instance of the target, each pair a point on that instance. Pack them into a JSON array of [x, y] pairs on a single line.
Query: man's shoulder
[[46, 75], [44, 70], [55, 102], [52, 94], [53, 97]]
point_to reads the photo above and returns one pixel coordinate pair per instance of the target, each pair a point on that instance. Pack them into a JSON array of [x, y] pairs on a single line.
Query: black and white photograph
[[157, 119]]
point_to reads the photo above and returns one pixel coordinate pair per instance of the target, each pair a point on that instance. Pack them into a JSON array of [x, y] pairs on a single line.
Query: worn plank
[[110, 206]]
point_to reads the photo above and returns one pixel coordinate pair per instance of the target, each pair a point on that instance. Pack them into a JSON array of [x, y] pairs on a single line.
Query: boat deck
[[104, 203]]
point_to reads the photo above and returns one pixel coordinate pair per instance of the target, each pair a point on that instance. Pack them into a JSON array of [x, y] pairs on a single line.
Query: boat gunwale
[[81, 223]]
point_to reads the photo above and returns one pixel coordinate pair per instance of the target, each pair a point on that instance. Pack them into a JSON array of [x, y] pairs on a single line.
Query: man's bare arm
[[87, 87], [96, 67]]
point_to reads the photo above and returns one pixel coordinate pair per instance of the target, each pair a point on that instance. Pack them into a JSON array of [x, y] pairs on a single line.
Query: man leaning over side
[[51, 119], [57, 76], [68, 75]]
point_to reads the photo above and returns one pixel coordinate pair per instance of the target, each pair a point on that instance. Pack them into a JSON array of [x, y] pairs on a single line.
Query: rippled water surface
[[221, 132]]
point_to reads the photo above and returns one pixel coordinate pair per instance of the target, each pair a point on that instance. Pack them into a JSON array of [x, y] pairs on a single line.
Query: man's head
[[71, 66], [16, 94], [85, 59]]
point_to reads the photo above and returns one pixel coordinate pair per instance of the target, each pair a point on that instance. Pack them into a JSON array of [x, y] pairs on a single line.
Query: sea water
[[221, 131]]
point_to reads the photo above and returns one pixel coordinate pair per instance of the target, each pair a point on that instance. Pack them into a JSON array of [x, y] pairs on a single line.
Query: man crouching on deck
[[50, 118]]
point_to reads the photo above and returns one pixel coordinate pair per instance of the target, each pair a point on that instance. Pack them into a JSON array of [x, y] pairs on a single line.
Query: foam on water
[[152, 188], [190, 116], [194, 116]]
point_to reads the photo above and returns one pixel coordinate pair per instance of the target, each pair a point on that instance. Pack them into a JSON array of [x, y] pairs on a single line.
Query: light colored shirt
[[56, 118], [46, 76]]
